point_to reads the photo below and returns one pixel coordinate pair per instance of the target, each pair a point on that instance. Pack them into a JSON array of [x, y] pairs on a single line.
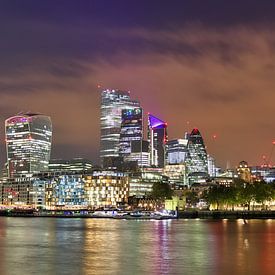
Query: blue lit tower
[[157, 136], [196, 156], [28, 143], [131, 129], [112, 104]]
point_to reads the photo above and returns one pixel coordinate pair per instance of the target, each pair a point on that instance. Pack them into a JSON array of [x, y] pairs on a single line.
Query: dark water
[[101, 246]]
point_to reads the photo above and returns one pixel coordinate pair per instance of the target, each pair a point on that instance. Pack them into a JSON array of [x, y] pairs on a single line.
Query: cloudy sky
[[204, 64]]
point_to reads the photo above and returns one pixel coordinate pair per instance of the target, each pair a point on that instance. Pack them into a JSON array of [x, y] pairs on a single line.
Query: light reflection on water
[[102, 246]]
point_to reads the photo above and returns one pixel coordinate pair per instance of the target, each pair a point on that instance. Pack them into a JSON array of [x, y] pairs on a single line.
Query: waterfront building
[[22, 192], [197, 157], [74, 165], [157, 136], [131, 129], [28, 143], [65, 191], [244, 172], [175, 203], [106, 189], [112, 104], [176, 151]]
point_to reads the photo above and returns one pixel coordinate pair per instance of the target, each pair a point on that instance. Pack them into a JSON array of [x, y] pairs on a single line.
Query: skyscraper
[[112, 104], [157, 136], [28, 143], [196, 156], [176, 151], [131, 129]]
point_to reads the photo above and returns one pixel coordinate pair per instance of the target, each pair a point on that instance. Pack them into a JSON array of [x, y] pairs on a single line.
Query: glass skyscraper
[[112, 104], [28, 143], [131, 129], [197, 156], [176, 151], [157, 136]]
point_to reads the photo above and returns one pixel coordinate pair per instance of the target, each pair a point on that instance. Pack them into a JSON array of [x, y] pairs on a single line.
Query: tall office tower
[[131, 129], [176, 151], [212, 169], [139, 153], [157, 136], [112, 103], [197, 156], [28, 143]]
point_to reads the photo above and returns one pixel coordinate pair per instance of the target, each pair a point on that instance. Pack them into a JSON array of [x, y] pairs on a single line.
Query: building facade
[[22, 192], [76, 165], [157, 136], [131, 129], [106, 189], [112, 104], [176, 151], [196, 157], [28, 143]]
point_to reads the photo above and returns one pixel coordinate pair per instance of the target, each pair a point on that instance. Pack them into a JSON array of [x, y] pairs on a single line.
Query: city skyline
[[215, 73]]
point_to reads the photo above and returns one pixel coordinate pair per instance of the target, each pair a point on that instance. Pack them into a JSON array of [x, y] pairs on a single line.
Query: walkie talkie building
[[28, 143]]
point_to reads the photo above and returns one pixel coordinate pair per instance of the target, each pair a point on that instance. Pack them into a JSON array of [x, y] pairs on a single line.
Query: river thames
[[106, 246]]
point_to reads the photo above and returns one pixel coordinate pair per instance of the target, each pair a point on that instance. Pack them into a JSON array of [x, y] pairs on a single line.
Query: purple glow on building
[[155, 122]]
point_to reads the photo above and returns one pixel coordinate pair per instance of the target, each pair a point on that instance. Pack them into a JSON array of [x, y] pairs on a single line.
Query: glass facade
[[65, 190], [112, 104], [197, 156], [106, 189], [28, 143], [131, 129], [98, 189], [176, 151], [157, 136], [141, 183], [77, 165]]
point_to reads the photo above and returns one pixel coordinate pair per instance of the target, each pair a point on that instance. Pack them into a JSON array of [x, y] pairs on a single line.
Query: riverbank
[[226, 214], [181, 214]]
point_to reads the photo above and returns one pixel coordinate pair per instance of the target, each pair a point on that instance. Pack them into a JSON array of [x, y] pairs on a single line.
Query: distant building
[[244, 172], [157, 136], [197, 156], [139, 153], [131, 129], [28, 143], [76, 164], [176, 173], [112, 104], [176, 151], [141, 182], [212, 170]]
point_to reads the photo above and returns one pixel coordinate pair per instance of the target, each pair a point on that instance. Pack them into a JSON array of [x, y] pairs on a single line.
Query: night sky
[[204, 64]]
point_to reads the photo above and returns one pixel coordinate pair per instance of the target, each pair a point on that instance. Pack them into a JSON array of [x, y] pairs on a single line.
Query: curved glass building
[[28, 143], [196, 156]]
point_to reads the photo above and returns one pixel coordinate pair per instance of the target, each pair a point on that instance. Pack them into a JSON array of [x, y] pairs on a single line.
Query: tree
[[161, 190]]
